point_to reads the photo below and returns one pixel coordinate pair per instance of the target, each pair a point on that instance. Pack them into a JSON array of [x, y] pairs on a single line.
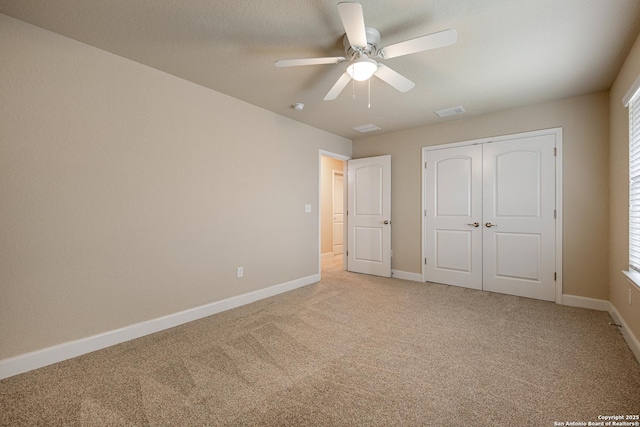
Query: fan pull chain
[[369, 105]]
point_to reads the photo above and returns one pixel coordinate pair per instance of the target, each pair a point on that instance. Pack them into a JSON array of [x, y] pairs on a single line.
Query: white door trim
[[344, 158], [558, 171]]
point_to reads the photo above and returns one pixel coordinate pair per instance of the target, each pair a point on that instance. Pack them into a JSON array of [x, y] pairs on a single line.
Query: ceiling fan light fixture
[[361, 46], [362, 69]]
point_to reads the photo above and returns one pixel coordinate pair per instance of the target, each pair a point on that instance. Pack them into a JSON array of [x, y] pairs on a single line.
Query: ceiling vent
[[450, 111], [366, 128]]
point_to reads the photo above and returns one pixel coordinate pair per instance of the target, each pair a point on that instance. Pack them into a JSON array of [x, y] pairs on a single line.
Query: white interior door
[[369, 216], [508, 187], [518, 217], [338, 213], [453, 211]]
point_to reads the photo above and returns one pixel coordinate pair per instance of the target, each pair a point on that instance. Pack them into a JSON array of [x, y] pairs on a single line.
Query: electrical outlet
[[240, 271], [629, 296]]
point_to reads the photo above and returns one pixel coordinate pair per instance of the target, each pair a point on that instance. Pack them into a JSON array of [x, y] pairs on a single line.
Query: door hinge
[[555, 277], [425, 261], [347, 253], [425, 165], [555, 151], [425, 212], [555, 214]]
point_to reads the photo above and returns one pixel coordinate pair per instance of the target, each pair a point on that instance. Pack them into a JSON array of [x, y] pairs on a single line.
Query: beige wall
[[619, 195], [127, 194], [328, 165], [585, 136]]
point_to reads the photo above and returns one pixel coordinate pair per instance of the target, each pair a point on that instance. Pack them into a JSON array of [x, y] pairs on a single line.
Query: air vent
[[366, 128], [450, 111]]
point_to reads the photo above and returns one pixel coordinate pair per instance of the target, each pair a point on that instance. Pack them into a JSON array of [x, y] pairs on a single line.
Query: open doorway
[[332, 212]]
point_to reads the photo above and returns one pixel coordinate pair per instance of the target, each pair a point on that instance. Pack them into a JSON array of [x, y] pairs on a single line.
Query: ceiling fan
[[361, 47]]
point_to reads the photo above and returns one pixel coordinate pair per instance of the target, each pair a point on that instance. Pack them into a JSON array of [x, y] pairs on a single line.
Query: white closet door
[[508, 189], [453, 216], [518, 217]]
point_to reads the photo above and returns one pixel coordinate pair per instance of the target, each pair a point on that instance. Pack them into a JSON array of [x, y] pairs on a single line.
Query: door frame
[[557, 132], [344, 159]]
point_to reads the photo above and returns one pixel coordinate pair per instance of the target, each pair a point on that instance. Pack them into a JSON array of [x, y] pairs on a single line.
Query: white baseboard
[[47, 356], [631, 339], [584, 302], [603, 305], [405, 275]]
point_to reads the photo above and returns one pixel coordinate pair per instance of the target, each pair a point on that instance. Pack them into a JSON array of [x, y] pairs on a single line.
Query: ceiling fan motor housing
[[371, 50]]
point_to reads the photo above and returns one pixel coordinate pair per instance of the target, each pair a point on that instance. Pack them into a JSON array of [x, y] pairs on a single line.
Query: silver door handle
[[475, 224], [488, 225], [386, 222]]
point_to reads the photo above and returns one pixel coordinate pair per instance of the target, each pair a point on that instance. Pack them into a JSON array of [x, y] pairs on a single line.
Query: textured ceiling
[[509, 52]]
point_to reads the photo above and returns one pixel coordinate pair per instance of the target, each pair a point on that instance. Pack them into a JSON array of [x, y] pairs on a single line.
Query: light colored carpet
[[350, 350]]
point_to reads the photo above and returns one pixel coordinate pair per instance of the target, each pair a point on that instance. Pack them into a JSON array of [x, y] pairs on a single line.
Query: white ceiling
[[509, 52]]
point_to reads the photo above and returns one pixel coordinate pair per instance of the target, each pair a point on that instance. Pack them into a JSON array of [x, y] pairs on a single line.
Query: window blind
[[634, 183]]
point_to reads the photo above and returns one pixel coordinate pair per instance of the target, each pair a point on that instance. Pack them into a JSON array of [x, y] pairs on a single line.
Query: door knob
[[386, 222], [475, 224], [488, 225]]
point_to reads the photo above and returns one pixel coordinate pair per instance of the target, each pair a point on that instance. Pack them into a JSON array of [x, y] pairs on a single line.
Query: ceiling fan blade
[[309, 61], [337, 88], [393, 78], [420, 44], [353, 22]]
